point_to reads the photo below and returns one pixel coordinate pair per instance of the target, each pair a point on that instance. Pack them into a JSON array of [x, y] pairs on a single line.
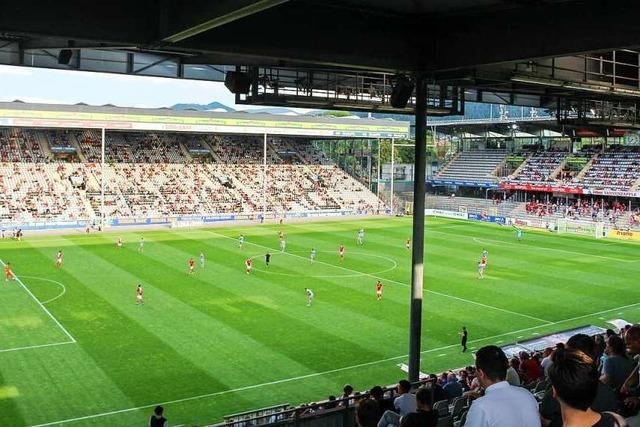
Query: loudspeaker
[[401, 92], [64, 56], [237, 82]]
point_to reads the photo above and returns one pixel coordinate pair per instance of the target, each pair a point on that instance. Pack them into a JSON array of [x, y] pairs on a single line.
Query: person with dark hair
[[438, 392], [158, 419], [367, 413], [574, 381], [632, 341], [425, 416], [503, 405], [405, 403], [616, 367], [347, 391], [605, 399], [377, 394], [464, 336]]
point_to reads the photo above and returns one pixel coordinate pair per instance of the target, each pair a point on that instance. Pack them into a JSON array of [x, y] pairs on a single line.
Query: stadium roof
[[346, 53], [117, 118]]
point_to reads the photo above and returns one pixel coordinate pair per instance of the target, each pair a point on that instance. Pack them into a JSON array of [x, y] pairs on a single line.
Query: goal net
[[584, 228]]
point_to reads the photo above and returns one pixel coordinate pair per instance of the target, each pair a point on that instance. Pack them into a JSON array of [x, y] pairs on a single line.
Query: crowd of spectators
[[153, 175], [585, 382], [582, 209]]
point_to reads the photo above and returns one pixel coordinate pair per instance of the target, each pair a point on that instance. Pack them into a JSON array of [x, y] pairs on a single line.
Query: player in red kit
[[248, 264], [379, 287], [8, 273], [341, 252], [192, 265]]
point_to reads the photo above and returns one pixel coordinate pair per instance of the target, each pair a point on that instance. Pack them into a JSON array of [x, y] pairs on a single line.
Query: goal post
[[583, 228]]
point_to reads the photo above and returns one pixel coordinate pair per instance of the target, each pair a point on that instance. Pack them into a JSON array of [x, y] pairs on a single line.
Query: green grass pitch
[[79, 351]]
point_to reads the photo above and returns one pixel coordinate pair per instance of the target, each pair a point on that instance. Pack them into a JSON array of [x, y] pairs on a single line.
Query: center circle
[[348, 272]]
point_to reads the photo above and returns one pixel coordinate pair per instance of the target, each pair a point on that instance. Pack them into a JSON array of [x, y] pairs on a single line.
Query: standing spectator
[[405, 403], [425, 416], [453, 388], [502, 405], [574, 381], [605, 400], [616, 368], [629, 388], [158, 419]]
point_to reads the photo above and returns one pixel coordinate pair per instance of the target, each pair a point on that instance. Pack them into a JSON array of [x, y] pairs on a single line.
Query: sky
[[40, 85]]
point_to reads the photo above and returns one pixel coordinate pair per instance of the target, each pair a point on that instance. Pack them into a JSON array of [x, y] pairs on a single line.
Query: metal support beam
[[393, 151], [417, 254], [102, 144], [264, 177], [218, 21]]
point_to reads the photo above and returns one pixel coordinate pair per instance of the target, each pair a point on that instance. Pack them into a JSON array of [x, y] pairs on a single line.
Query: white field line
[[504, 310], [318, 374], [6, 350], [544, 248], [64, 289], [43, 307]]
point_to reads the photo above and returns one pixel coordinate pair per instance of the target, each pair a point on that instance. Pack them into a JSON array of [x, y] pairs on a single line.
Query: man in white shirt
[[503, 405], [406, 402]]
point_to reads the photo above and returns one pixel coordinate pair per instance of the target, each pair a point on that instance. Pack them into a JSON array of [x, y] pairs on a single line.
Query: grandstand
[[151, 174]]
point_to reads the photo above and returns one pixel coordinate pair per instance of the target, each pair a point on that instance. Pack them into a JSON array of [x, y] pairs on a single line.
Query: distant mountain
[[214, 106]]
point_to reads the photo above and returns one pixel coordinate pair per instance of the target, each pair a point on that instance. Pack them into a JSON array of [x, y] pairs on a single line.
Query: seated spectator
[[529, 368], [453, 388], [605, 400], [512, 372], [367, 413], [574, 381], [377, 394], [425, 416], [616, 367], [438, 392], [405, 403], [547, 361], [502, 405], [347, 391]]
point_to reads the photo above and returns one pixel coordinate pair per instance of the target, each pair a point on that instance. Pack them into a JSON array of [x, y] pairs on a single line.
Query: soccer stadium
[[407, 213]]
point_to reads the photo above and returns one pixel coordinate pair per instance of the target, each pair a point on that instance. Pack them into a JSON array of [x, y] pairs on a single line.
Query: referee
[[463, 338]]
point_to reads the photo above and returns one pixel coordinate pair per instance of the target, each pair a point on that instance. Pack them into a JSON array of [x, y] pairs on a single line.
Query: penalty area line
[[42, 306], [318, 374], [29, 347]]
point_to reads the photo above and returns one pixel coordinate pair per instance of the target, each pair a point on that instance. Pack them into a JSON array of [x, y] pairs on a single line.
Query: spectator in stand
[[512, 372], [463, 379], [630, 386], [347, 391], [405, 403], [377, 394], [367, 413], [574, 383], [547, 361], [529, 368], [158, 419], [438, 392], [605, 399], [616, 367], [425, 416], [502, 405], [453, 388]]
